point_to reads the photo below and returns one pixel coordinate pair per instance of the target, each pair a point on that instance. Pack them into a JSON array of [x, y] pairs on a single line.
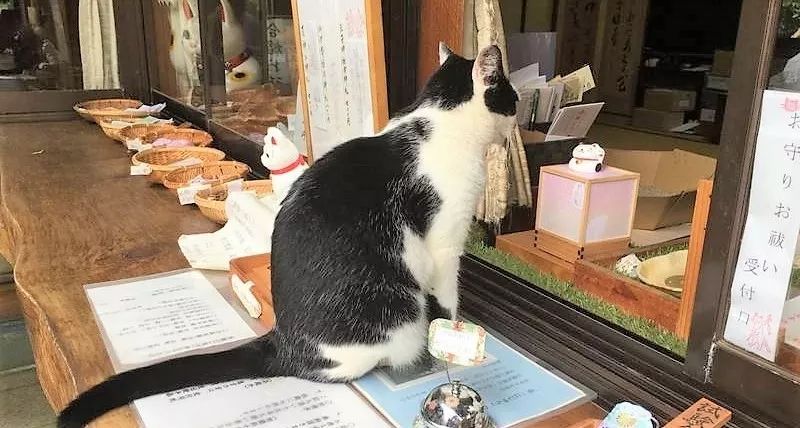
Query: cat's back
[[363, 174]]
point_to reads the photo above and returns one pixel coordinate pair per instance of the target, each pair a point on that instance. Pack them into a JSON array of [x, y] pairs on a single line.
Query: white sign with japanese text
[[764, 266]]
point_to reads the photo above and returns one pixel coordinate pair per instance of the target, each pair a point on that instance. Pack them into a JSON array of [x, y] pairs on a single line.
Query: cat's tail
[[251, 360]]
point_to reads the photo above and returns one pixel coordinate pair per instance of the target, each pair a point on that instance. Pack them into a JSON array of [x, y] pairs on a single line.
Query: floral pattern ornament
[[457, 342]]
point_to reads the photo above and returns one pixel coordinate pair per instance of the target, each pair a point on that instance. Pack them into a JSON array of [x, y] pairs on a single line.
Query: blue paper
[[513, 387]]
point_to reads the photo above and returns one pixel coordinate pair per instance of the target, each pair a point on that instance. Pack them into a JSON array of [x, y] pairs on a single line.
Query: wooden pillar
[[440, 20]]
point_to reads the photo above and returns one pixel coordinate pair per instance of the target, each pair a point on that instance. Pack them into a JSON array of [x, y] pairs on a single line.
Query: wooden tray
[[256, 269]]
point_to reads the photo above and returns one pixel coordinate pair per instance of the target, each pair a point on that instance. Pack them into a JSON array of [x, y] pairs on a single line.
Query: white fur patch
[[404, 347]]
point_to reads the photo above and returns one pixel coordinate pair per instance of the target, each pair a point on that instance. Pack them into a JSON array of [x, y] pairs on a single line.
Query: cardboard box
[[723, 63], [668, 183], [669, 99], [657, 120]]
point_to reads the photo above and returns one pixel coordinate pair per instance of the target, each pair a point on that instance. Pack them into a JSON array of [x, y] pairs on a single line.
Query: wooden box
[[253, 272], [583, 214], [597, 277]]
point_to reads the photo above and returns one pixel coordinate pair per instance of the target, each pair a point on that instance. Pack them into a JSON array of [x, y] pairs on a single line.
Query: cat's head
[[279, 150], [478, 85]]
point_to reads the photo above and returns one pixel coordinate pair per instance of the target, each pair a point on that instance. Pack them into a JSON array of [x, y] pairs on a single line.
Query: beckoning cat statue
[[284, 162], [587, 158]]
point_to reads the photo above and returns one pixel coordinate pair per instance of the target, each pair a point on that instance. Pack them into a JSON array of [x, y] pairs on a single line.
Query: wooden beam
[[696, 241], [440, 20]]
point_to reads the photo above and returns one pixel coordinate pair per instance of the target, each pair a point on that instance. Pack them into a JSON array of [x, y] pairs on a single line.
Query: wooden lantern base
[[572, 251]]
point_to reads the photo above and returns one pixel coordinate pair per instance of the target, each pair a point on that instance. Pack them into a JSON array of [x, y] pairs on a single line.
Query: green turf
[[565, 290]]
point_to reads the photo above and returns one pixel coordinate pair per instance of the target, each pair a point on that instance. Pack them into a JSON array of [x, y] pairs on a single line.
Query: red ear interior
[[187, 10], [272, 140]]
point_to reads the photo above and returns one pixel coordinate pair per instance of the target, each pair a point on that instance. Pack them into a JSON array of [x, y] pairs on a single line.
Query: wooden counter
[[70, 214]]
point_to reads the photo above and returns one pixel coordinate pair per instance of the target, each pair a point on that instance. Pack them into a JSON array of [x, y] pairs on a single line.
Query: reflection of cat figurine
[[184, 50], [284, 162], [242, 70]]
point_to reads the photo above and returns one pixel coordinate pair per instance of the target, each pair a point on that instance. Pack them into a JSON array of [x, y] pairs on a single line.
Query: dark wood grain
[[73, 215], [440, 21]]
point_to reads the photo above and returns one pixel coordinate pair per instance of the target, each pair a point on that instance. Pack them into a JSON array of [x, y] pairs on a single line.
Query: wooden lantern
[[583, 214]]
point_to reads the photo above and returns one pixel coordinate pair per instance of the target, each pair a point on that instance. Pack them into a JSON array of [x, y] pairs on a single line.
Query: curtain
[[507, 179], [98, 39]]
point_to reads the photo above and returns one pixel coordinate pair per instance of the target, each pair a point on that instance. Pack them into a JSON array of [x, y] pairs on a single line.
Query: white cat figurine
[[242, 70], [587, 158], [284, 162]]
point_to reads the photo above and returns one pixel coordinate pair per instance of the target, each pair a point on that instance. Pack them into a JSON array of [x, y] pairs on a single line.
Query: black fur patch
[[501, 98], [450, 85], [353, 206]]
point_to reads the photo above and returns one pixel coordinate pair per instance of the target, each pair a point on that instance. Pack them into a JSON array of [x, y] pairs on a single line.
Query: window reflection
[[176, 31], [260, 71], [52, 45]]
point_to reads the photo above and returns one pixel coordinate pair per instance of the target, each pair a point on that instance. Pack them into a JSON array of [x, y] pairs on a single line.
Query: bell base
[[419, 423]]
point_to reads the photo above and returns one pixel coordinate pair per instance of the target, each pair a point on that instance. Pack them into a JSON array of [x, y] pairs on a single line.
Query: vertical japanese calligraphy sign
[[618, 71], [340, 59], [764, 265]]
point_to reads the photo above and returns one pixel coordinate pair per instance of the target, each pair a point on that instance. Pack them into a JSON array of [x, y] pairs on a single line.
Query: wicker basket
[[212, 201], [113, 130], [197, 137], [111, 108], [163, 160], [212, 173], [142, 130]]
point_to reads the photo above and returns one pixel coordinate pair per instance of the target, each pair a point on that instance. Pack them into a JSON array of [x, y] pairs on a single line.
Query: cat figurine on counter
[[366, 246], [284, 162]]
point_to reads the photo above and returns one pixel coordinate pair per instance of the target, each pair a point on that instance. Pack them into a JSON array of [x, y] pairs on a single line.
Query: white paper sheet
[[767, 250], [335, 58], [150, 319], [276, 402], [573, 121], [248, 232]]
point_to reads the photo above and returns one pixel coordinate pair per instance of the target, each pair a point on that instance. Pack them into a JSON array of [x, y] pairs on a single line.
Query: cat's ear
[[444, 53], [488, 68]]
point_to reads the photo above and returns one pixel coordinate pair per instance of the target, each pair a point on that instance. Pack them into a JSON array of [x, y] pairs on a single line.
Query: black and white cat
[[366, 246]]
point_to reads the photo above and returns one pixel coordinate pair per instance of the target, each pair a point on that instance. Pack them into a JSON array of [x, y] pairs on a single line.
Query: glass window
[[260, 67], [625, 253], [177, 45], [764, 315], [56, 45]]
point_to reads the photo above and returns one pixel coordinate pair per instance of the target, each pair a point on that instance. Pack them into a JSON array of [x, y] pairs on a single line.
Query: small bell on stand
[[454, 404]]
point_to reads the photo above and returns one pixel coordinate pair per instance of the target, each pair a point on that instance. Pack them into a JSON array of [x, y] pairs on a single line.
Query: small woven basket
[[165, 159], [212, 173], [212, 201], [142, 130], [113, 130], [111, 108], [197, 137]]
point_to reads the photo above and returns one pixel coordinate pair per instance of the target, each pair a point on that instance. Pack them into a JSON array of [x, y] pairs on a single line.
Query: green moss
[[565, 290], [661, 251]]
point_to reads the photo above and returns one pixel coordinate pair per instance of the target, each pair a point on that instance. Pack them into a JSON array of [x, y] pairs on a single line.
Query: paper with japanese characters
[[514, 387], [248, 232], [333, 36], [153, 318], [767, 251], [275, 402]]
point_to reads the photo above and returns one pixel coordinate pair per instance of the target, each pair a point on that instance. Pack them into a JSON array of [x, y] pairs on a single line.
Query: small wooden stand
[[256, 270]]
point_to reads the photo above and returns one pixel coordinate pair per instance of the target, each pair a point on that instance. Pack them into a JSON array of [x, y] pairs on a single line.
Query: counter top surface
[[70, 214]]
